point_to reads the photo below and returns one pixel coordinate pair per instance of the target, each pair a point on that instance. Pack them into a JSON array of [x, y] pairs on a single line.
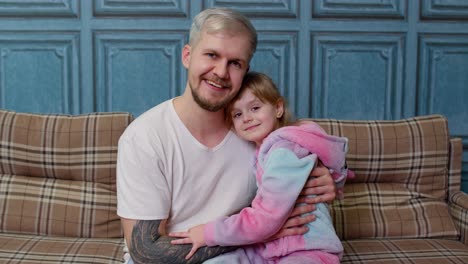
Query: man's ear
[[186, 52], [279, 108]]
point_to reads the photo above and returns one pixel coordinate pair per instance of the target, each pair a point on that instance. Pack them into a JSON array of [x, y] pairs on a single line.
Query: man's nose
[[221, 69]]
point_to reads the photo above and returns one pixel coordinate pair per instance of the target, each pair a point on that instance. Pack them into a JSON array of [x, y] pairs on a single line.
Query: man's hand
[[194, 236], [321, 185]]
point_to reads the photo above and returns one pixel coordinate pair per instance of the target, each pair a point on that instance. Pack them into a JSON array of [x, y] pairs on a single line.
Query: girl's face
[[253, 119]]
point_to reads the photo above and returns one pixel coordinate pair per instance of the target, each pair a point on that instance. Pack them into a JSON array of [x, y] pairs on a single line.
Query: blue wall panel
[[177, 8], [276, 56], [259, 8], [38, 72], [444, 79], [453, 9], [137, 70], [357, 76], [395, 9], [39, 8], [352, 59]]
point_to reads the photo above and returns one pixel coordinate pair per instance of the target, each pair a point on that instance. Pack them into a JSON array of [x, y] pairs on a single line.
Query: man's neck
[[207, 127]]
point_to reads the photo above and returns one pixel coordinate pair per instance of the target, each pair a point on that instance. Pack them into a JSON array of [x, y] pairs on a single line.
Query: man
[[179, 161]]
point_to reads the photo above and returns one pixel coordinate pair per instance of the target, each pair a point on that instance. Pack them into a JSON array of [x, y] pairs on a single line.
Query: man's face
[[216, 65]]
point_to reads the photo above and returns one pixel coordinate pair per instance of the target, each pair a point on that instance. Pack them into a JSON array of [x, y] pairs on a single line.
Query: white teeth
[[214, 84]]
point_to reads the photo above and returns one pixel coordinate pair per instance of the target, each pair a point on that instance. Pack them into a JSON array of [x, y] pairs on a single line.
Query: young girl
[[285, 157]]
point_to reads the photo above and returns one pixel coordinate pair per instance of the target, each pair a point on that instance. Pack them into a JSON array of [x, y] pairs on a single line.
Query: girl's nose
[[247, 118]]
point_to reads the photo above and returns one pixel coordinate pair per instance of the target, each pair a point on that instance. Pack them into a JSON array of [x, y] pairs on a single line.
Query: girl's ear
[[186, 52], [279, 108]]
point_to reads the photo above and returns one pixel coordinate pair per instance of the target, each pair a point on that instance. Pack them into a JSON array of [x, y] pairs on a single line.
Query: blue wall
[[352, 59]]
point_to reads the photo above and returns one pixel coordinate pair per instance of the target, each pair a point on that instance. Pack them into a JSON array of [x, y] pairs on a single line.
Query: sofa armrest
[[459, 210]]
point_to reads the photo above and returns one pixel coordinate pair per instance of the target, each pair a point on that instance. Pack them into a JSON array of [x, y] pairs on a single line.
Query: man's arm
[[146, 245]]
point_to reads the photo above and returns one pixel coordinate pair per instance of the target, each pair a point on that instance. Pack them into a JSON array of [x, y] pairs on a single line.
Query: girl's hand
[[193, 236]]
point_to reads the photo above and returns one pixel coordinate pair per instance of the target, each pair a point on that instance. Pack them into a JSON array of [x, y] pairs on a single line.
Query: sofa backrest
[[57, 173], [401, 182]]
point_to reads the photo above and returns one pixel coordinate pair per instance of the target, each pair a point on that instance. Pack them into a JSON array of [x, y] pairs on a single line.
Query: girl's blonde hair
[[266, 91]]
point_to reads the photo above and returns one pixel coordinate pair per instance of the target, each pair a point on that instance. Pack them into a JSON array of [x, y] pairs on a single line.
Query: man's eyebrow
[[209, 50], [240, 60]]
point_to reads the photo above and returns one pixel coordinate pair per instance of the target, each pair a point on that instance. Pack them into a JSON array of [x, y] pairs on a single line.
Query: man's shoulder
[[148, 122]]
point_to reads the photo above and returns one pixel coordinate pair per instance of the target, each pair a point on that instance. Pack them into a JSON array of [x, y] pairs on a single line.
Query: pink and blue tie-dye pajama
[[284, 162]]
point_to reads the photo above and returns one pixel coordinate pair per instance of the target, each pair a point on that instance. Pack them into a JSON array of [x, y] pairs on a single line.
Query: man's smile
[[214, 84]]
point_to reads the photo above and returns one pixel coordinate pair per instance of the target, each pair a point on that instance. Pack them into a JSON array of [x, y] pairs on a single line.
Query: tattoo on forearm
[[148, 246]]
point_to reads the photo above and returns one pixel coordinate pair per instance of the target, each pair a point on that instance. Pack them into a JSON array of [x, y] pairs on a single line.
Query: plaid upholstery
[[400, 187], [57, 174], [80, 148], [459, 210], [16, 248], [413, 152], [455, 167], [408, 251], [458, 200], [43, 206]]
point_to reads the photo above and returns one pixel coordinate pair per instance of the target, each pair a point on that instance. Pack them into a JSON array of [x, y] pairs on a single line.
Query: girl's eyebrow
[[255, 100]]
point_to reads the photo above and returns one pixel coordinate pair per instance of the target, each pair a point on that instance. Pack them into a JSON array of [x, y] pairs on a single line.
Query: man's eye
[[211, 55], [236, 64]]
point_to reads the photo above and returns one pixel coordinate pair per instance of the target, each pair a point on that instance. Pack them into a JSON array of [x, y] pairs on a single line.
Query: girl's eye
[[236, 115], [255, 108]]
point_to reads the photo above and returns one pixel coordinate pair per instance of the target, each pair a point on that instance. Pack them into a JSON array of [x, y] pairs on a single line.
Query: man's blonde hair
[[214, 20]]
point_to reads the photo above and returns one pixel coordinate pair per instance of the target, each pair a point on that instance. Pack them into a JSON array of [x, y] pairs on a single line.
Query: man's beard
[[208, 106]]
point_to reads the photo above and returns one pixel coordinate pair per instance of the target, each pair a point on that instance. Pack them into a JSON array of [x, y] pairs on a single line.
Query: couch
[[404, 204], [58, 198], [58, 188]]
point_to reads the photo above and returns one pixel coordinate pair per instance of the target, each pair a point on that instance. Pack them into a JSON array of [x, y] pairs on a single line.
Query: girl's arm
[[283, 179]]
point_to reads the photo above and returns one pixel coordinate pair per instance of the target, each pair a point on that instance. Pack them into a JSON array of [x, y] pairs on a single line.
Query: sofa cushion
[[81, 147], [404, 251], [413, 152], [57, 174], [401, 181], [44, 206], [15, 248], [389, 210]]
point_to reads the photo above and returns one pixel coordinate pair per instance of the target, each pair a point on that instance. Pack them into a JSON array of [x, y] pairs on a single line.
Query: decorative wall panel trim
[[162, 8], [362, 9], [436, 9], [39, 8], [259, 8], [156, 54], [372, 64], [35, 54], [276, 56], [442, 79]]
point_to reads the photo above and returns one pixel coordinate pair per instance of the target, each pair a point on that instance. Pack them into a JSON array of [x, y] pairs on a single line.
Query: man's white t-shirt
[[163, 172]]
